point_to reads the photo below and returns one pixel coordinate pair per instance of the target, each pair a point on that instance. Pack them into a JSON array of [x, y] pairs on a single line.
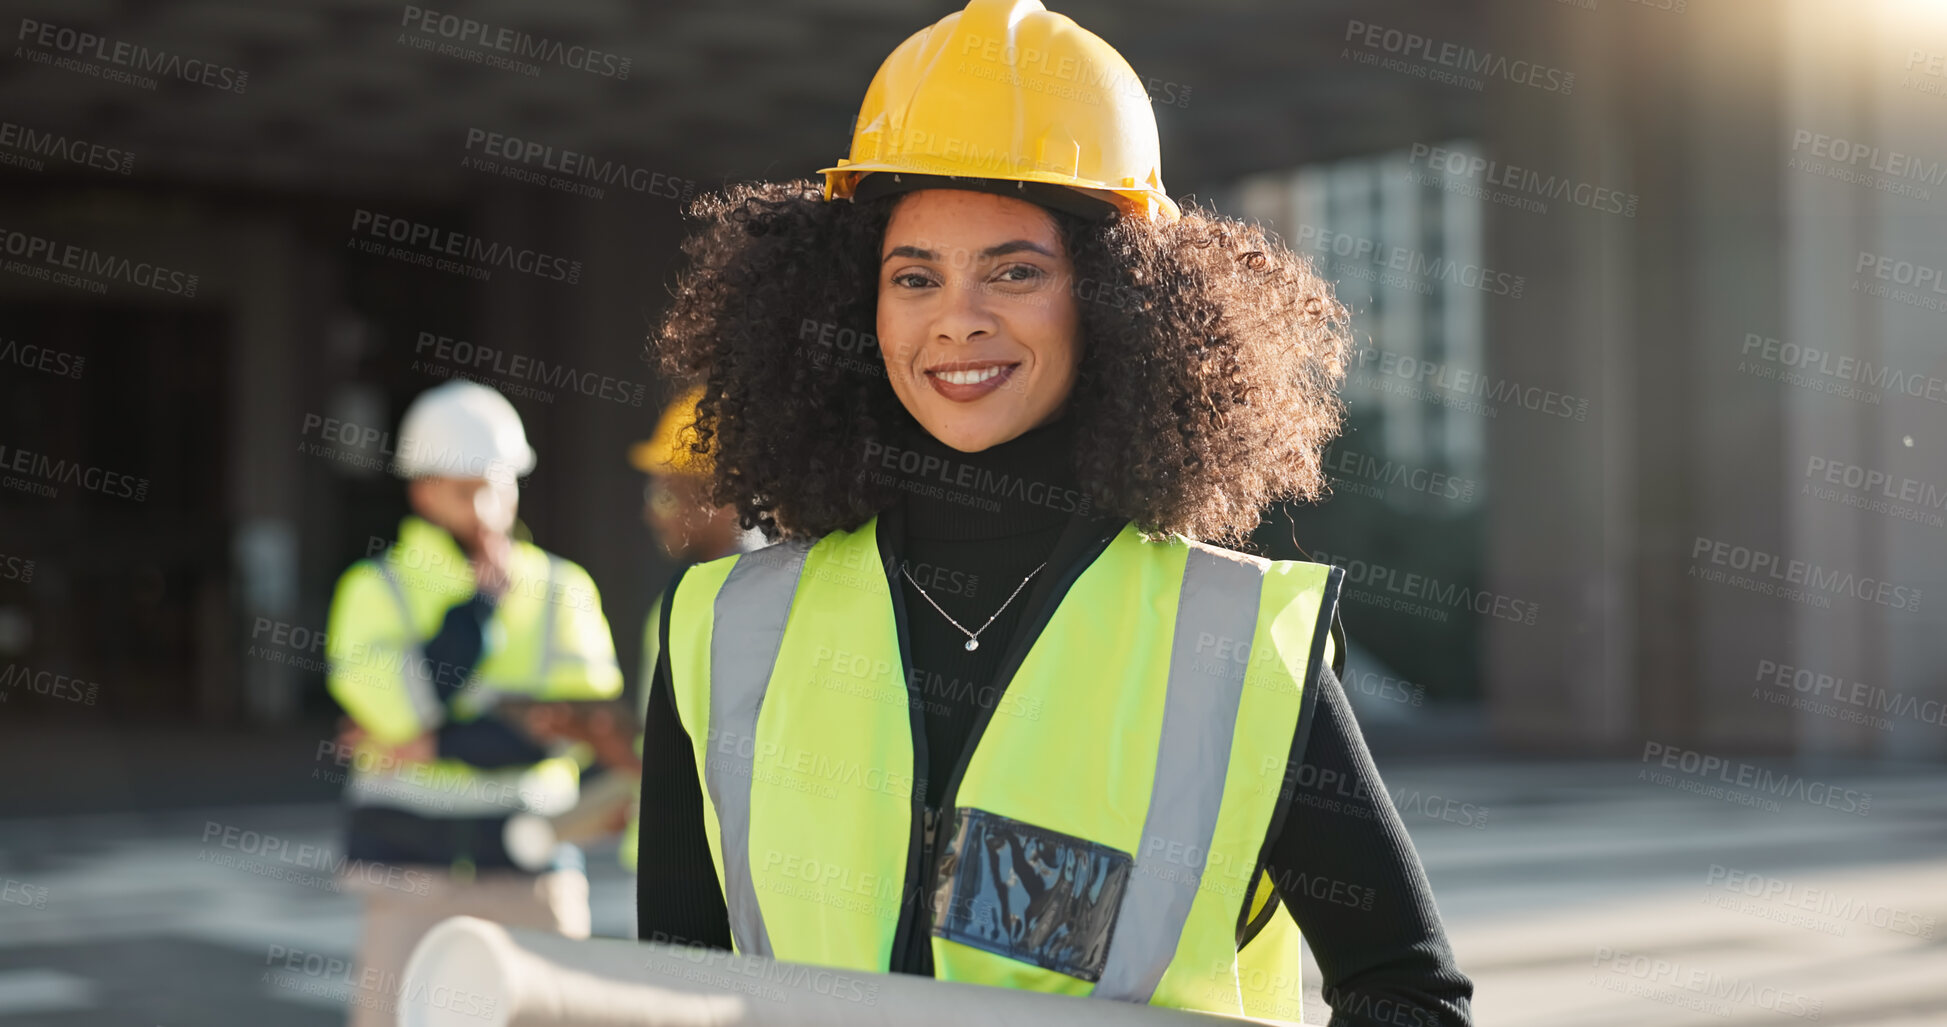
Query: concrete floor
[[1577, 895]]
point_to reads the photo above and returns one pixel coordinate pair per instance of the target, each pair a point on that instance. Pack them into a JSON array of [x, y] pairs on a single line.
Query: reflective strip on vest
[[1164, 693], [554, 658], [1219, 600], [549, 616], [451, 789], [425, 699], [755, 602]]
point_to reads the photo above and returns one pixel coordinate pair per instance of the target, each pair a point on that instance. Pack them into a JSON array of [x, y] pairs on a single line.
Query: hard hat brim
[[1092, 206], [847, 179]]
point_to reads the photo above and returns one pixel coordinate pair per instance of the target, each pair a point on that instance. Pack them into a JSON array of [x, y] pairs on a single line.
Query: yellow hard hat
[[1008, 90], [668, 451]]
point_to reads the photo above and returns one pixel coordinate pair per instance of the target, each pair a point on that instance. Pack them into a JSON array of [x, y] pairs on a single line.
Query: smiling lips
[[964, 381]]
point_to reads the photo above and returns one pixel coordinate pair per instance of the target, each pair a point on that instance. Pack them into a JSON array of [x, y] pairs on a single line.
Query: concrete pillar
[[1678, 535], [584, 501], [1863, 162], [261, 283], [1672, 116]]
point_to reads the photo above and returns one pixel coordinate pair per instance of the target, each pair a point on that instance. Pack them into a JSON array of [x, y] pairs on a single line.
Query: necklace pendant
[[972, 644]]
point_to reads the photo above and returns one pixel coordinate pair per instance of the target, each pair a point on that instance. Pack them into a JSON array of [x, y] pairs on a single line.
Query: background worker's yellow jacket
[[546, 640]]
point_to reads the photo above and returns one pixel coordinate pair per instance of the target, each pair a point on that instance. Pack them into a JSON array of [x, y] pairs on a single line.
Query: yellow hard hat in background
[[1008, 90], [668, 451]]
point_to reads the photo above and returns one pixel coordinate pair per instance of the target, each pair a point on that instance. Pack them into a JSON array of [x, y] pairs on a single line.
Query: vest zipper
[[919, 947], [919, 842]]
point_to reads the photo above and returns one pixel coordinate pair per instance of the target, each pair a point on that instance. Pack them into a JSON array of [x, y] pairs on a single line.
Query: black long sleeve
[[1347, 870], [677, 899]]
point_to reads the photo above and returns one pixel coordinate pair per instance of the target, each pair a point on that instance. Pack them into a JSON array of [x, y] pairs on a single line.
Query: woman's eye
[[1020, 273], [911, 280]]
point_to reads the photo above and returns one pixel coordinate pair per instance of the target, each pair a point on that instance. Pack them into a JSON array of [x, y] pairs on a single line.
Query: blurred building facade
[[1585, 305]]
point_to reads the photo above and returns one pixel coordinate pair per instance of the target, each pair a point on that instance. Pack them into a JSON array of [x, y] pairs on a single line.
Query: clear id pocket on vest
[[1028, 893]]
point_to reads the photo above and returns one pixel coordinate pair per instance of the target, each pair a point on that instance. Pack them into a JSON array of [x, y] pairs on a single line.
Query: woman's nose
[[966, 313]]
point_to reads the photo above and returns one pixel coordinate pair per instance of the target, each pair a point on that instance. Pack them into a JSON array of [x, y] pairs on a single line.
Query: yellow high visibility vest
[[547, 640], [1104, 840]]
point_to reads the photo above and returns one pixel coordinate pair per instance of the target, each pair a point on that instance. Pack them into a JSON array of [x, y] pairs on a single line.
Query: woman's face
[[978, 326]]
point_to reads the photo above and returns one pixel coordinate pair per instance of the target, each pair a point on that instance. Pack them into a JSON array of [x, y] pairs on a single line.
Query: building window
[[1404, 258]]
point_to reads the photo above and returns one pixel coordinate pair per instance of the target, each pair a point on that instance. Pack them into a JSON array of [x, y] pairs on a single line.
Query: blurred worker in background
[[450, 783], [676, 506]]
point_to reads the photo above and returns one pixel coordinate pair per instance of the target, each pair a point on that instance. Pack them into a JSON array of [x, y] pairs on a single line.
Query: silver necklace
[[973, 637]]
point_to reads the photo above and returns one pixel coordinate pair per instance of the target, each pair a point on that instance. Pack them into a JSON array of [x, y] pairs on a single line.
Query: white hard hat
[[462, 429]]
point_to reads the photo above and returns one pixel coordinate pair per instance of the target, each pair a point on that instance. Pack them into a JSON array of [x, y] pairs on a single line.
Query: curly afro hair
[[1207, 386]]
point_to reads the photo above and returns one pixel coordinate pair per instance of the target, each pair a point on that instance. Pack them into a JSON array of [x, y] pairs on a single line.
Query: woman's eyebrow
[[996, 250], [1013, 246]]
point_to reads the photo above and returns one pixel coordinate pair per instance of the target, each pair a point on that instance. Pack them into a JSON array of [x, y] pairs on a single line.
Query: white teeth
[[969, 377]]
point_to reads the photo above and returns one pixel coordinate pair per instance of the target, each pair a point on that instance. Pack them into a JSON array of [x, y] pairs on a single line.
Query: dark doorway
[[116, 430]]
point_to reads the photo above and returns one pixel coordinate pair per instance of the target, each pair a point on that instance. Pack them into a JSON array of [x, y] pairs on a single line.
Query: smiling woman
[[993, 709], [955, 331], [1198, 357]]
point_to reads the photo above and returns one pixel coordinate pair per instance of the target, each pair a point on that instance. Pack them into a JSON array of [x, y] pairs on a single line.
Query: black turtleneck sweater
[[970, 548], [967, 534]]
